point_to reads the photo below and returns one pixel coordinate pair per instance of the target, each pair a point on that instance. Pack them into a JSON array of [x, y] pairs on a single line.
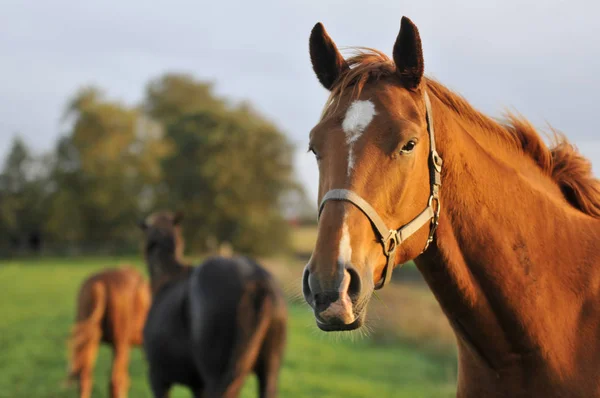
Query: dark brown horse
[[111, 307], [211, 325], [505, 230]]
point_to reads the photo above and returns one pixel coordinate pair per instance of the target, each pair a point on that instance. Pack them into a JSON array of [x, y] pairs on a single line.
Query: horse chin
[[341, 327]]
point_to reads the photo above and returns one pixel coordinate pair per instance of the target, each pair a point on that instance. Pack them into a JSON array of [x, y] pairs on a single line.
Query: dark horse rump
[[211, 326]]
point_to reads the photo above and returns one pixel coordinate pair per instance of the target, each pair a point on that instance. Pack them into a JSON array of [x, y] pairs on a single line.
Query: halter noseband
[[391, 238]]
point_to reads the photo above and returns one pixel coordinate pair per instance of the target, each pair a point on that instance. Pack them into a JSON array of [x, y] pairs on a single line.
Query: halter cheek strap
[[390, 239]]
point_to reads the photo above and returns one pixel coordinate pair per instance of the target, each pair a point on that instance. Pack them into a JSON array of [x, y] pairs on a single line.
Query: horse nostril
[[355, 284], [305, 285]]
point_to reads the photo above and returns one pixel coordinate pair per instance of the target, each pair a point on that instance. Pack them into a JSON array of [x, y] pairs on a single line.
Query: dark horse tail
[[86, 334], [248, 346], [233, 309], [255, 316]]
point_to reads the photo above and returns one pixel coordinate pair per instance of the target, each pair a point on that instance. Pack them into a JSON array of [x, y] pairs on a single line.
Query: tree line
[[226, 167]]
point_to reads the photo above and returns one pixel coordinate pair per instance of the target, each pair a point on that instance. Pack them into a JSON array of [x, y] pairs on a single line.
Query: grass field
[[37, 308]]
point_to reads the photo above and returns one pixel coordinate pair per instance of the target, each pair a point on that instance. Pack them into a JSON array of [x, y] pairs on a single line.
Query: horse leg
[[88, 358], [227, 387], [160, 389], [85, 337], [119, 380], [198, 392], [218, 384], [269, 362]]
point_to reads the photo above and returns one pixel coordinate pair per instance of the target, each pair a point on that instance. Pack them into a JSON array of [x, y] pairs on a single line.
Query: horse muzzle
[[334, 303]]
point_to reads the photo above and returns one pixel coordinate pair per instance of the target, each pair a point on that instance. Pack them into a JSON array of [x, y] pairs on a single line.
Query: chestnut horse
[[209, 326], [505, 230], [111, 307]]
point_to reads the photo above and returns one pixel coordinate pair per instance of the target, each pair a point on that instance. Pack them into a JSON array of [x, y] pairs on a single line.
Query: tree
[[184, 148], [106, 168], [229, 175], [229, 169], [22, 199], [174, 95]]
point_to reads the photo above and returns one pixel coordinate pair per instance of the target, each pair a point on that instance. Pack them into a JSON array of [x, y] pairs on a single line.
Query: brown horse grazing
[[514, 262], [209, 326], [111, 307]]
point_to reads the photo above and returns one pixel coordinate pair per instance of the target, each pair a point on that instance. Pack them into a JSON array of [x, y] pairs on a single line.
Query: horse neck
[[508, 256], [164, 267]]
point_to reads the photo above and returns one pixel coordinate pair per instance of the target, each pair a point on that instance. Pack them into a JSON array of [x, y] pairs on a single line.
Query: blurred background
[[111, 110]]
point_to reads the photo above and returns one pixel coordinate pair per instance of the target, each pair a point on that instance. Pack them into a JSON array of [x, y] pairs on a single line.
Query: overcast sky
[[541, 58]]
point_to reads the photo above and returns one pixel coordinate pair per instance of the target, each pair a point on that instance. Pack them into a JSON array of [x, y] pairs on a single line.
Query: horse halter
[[390, 239]]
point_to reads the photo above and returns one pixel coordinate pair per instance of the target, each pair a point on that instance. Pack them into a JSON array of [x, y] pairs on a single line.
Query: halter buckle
[[393, 239], [435, 219], [437, 208]]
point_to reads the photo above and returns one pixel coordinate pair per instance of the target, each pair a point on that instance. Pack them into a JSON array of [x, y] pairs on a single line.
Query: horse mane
[[562, 162]]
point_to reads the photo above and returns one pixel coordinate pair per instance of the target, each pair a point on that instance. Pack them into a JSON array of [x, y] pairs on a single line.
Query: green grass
[[37, 307]]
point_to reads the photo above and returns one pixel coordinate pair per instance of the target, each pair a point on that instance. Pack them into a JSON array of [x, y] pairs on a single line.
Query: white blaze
[[345, 250], [358, 116], [341, 309]]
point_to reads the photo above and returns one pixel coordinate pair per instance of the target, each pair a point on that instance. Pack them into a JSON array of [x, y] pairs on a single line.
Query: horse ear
[[177, 217], [326, 59], [408, 54]]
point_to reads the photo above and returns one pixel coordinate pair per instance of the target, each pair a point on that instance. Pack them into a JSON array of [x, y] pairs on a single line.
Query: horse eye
[[311, 149], [408, 147]]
